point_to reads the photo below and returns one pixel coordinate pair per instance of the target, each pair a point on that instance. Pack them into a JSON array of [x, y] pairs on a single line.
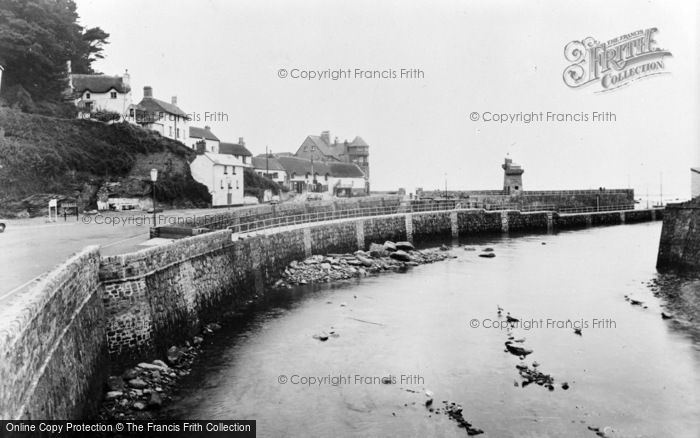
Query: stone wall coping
[[17, 313]]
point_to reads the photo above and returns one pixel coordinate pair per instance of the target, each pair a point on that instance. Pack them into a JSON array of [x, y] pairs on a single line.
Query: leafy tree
[[37, 37]]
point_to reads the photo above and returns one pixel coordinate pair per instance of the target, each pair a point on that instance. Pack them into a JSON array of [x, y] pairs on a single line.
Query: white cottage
[[100, 93], [197, 135], [163, 117], [223, 176]]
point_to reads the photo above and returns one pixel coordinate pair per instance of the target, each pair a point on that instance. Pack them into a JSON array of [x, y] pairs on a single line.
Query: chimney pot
[[208, 128], [241, 141], [147, 91], [174, 100]]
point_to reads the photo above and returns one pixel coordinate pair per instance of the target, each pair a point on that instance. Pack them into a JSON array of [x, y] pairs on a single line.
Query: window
[[177, 132], [236, 184], [225, 170], [244, 157], [230, 186], [222, 183], [113, 94], [131, 112], [87, 95], [233, 170], [170, 131], [326, 177]]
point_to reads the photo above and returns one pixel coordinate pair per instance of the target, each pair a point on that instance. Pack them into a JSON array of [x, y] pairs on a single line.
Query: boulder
[[390, 246], [401, 256], [377, 251], [115, 383], [174, 355], [137, 383], [130, 373], [152, 367], [364, 260], [160, 363], [517, 350], [155, 400], [487, 255], [111, 395], [406, 246], [139, 406]]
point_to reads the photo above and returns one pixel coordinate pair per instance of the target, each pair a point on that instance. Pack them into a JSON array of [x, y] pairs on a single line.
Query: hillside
[[43, 157]]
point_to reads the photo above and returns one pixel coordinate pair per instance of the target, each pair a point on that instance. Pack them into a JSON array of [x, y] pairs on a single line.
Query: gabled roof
[[358, 141], [152, 104], [263, 163], [695, 169], [234, 149], [301, 166], [98, 83], [345, 170], [196, 132], [223, 159]]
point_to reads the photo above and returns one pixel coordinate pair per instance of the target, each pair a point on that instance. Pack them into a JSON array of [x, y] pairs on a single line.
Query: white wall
[[104, 101], [213, 176], [694, 184]]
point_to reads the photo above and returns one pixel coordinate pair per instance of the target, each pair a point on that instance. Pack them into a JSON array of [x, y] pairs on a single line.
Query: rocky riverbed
[[389, 256], [139, 392]]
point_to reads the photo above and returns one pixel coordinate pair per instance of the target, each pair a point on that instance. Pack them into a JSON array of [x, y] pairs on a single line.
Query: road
[[31, 247]]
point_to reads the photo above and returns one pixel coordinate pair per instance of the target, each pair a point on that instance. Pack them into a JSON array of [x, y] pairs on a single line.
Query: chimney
[[201, 147], [126, 78], [326, 136], [335, 142], [147, 91], [241, 141], [208, 128], [174, 100]]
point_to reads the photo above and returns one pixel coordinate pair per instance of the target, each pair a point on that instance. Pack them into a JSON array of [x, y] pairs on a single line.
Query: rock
[[665, 315], [213, 327], [390, 246], [488, 255], [130, 373], [488, 249], [469, 248], [197, 340], [444, 247], [155, 400], [377, 251], [517, 350], [174, 355], [402, 256], [323, 336], [115, 383], [139, 406], [565, 386], [365, 261], [406, 246], [111, 395], [152, 366], [137, 383]]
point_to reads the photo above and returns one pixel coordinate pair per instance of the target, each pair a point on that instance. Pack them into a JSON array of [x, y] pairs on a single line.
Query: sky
[[475, 57]]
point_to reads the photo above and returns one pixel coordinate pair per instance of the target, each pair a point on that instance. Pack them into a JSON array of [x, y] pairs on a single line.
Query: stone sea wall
[[52, 344], [60, 337]]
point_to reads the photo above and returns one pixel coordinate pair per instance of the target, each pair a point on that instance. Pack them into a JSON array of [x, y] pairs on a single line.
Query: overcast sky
[[477, 56]]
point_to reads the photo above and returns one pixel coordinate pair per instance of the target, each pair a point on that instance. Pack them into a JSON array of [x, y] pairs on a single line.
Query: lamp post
[[154, 178]]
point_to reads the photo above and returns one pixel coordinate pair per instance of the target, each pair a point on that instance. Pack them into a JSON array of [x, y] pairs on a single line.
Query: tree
[[37, 37]]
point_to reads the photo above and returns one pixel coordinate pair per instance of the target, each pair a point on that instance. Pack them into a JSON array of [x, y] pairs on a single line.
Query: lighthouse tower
[[512, 177]]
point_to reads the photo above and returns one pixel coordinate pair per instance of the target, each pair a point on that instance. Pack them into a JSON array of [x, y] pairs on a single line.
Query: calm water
[[640, 377]]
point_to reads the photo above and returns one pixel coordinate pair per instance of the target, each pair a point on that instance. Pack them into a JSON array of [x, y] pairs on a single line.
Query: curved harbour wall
[[59, 337]]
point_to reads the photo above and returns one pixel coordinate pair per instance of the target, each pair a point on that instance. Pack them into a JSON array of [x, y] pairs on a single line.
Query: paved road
[[31, 247]]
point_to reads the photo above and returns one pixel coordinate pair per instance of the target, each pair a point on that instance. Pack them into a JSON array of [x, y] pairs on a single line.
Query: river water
[[630, 372]]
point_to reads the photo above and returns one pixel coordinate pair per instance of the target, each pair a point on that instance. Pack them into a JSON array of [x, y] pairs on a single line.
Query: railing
[[622, 207], [321, 216]]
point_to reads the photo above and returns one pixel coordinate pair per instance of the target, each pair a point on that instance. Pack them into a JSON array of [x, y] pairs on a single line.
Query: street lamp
[[154, 178]]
